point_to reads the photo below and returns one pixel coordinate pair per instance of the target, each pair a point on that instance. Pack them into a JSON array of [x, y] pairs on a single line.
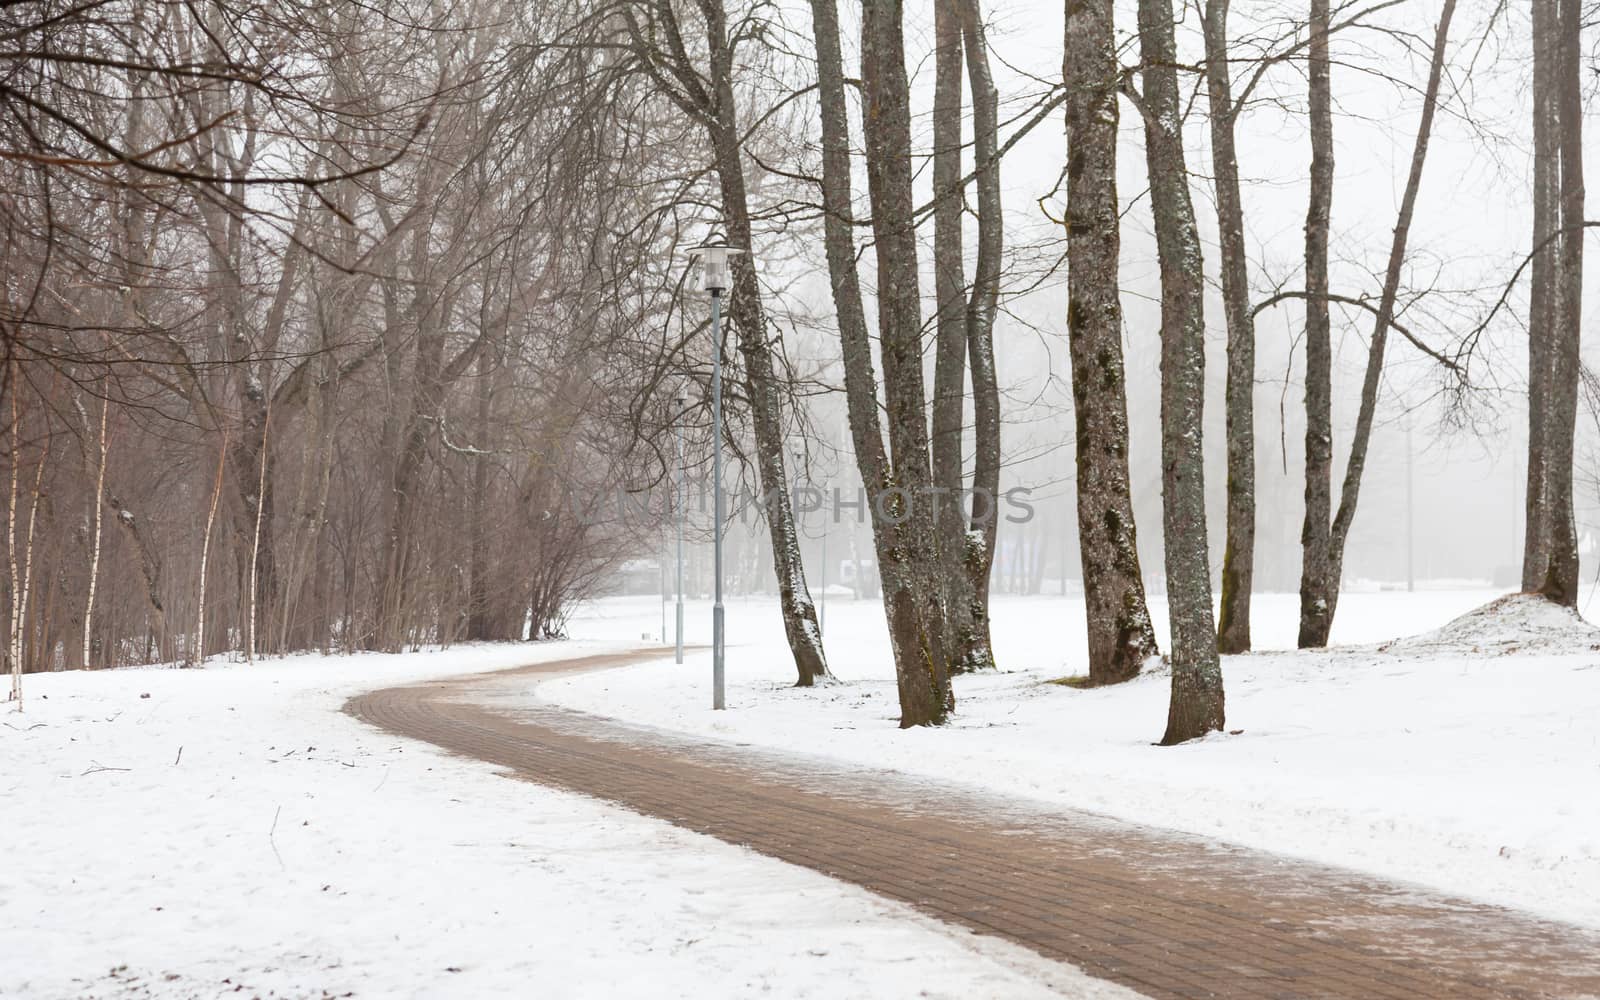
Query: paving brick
[[1171, 916]]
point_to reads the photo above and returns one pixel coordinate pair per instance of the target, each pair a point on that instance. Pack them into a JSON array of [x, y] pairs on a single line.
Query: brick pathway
[[1168, 915]]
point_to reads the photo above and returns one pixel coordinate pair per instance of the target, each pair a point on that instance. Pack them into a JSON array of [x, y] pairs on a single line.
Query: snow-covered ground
[[233, 828], [1448, 762], [201, 833]]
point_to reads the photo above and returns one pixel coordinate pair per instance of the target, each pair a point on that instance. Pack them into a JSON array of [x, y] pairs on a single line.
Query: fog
[[1443, 491]]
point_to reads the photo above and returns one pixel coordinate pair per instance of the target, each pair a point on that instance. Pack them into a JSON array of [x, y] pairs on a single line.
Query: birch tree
[[14, 640], [198, 653], [98, 533]]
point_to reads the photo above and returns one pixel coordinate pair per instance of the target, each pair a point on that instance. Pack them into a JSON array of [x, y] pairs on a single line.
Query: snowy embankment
[[1466, 760], [193, 833]]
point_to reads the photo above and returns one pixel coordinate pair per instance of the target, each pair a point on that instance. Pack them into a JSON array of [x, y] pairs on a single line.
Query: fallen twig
[[274, 843], [101, 767]]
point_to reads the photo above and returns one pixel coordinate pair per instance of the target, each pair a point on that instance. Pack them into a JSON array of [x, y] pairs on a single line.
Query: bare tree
[[1550, 546], [95, 544], [898, 478], [1324, 543], [1196, 706], [712, 102], [1316, 580], [950, 321], [197, 652], [977, 548], [14, 640], [964, 325], [1121, 637], [1238, 559]]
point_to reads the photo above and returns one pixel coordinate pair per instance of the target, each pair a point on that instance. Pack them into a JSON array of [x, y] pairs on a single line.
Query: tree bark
[[1366, 414], [1197, 698], [478, 627], [14, 640], [1541, 296], [255, 539], [1317, 585], [914, 606], [149, 568], [907, 564], [1561, 583], [1550, 559], [1120, 634], [749, 320], [399, 574], [1238, 559], [94, 552], [950, 325], [976, 650], [197, 654]]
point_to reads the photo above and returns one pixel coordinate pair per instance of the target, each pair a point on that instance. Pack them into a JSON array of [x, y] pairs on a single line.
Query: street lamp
[[713, 255], [680, 401]]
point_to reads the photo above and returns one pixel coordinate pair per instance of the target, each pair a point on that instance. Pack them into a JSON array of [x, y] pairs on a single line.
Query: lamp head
[[714, 254]]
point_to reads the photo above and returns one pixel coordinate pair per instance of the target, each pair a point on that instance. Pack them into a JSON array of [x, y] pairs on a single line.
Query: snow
[[1511, 624], [1459, 761], [182, 833]]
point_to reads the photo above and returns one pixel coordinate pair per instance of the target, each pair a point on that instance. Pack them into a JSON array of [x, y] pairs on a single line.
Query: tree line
[[324, 327]]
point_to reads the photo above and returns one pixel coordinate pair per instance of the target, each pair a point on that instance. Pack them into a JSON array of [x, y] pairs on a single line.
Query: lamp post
[[680, 400], [714, 278]]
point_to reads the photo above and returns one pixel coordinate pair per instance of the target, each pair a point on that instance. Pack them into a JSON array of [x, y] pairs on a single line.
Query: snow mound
[[1510, 624]]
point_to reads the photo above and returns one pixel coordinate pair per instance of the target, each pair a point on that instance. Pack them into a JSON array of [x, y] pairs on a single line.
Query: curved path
[[1168, 915]]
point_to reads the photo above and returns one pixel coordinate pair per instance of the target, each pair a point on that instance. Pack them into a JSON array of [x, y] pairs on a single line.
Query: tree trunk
[[1120, 634], [976, 650], [1560, 581], [1541, 296], [915, 610], [907, 563], [1318, 587], [749, 320], [149, 568], [1550, 561], [950, 352], [21, 622], [198, 653], [1197, 698], [14, 640], [400, 575], [1238, 559], [1366, 414], [255, 543], [255, 539], [478, 627], [94, 554]]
